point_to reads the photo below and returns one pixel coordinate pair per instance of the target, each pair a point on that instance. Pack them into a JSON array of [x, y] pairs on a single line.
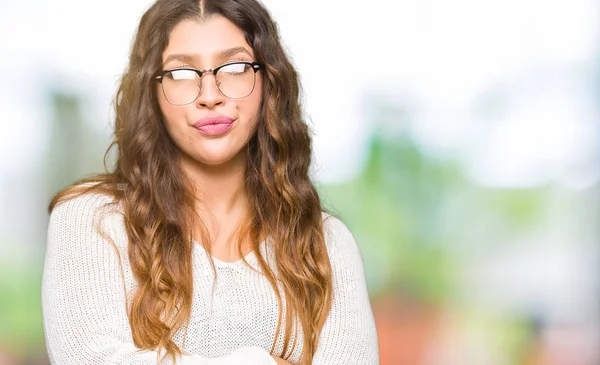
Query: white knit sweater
[[85, 290]]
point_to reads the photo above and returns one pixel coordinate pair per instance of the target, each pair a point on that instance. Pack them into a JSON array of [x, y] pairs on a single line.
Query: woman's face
[[206, 45]]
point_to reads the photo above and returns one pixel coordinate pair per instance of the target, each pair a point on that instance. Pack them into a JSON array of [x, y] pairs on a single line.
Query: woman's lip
[[214, 129], [216, 119]]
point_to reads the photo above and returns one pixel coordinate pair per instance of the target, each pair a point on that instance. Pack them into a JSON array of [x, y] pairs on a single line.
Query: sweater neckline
[[249, 257]]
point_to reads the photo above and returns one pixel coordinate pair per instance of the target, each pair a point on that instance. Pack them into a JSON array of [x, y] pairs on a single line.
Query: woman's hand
[[281, 361]]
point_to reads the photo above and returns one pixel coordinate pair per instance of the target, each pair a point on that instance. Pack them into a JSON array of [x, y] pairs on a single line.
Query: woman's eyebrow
[[226, 53]]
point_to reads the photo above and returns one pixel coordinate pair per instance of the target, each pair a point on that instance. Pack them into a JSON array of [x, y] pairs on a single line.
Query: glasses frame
[[161, 74]]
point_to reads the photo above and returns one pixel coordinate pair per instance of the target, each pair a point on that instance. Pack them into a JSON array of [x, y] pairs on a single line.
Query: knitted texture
[[86, 288]]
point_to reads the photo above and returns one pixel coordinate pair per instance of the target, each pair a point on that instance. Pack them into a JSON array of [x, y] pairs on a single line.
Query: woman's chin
[[215, 158]]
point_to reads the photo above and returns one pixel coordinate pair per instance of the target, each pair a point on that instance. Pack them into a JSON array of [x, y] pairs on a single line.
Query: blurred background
[[459, 140]]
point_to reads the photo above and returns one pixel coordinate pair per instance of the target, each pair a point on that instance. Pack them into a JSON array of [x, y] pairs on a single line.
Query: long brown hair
[[158, 200]]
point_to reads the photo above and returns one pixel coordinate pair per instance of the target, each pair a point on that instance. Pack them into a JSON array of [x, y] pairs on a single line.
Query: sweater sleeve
[[349, 336], [83, 297]]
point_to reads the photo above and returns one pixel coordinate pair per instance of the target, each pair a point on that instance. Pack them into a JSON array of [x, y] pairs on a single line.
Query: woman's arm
[[83, 297], [349, 336]]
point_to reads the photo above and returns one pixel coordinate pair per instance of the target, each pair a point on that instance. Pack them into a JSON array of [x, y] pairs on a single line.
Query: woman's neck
[[221, 195]]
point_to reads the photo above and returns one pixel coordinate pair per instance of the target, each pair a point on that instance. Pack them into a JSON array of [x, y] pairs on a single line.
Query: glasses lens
[[181, 86], [236, 80]]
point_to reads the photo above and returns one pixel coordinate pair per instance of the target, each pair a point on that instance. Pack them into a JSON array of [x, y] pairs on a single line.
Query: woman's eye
[[237, 68], [181, 75]]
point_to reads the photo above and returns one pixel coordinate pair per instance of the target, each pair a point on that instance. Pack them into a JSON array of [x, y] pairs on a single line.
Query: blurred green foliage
[[393, 209], [20, 316]]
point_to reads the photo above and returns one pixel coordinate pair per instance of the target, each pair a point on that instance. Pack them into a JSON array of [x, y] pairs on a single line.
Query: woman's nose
[[209, 92]]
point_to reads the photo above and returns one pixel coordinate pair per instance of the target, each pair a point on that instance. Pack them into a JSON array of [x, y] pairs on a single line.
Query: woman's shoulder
[[332, 224], [83, 204], [342, 248], [336, 232], [91, 221], [82, 211]]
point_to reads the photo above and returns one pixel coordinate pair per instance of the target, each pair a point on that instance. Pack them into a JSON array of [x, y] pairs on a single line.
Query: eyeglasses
[[182, 85]]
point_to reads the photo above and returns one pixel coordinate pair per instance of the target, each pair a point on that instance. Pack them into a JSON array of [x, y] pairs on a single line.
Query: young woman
[[207, 243]]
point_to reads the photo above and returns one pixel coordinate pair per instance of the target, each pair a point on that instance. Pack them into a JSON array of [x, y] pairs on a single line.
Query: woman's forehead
[[205, 41]]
